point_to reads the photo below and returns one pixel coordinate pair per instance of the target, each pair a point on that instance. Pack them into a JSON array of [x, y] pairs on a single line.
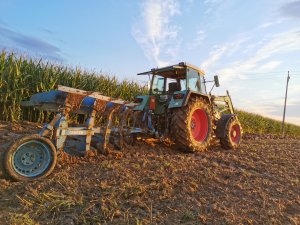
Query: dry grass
[[257, 184]]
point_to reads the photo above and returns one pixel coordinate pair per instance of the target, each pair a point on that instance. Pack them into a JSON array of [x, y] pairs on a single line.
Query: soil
[[152, 183]]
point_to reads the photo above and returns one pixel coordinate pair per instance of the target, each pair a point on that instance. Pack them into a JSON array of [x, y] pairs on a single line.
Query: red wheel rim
[[235, 133], [199, 125]]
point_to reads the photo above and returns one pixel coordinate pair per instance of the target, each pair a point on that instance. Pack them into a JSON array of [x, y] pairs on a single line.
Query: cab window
[[193, 80], [182, 84], [158, 84]]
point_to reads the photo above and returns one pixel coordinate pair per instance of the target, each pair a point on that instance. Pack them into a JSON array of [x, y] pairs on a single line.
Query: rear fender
[[222, 124], [193, 94]]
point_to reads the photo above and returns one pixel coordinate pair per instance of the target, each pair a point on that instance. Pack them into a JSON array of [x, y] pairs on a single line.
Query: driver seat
[[173, 86]]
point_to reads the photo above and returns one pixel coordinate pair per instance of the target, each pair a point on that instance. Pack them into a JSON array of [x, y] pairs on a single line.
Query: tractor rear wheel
[[191, 126], [233, 134]]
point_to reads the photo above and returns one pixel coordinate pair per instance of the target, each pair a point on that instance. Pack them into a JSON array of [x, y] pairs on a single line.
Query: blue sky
[[250, 44]]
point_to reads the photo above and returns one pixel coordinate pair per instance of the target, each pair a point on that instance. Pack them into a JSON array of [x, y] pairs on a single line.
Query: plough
[[35, 156], [177, 107], [66, 100]]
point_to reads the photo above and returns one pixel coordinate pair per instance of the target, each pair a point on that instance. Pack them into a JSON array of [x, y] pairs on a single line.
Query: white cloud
[[198, 40], [214, 57], [214, 7], [200, 36], [272, 23], [226, 50], [262, 61], [279, 44], [269, 66], [154, 30]]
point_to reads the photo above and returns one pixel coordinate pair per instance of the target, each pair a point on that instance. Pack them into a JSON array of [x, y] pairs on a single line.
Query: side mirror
[[216, 78]]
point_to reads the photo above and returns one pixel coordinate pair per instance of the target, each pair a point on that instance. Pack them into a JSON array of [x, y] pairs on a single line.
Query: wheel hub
[[31, 158], [234, 133], [199, 125], [28, 158]]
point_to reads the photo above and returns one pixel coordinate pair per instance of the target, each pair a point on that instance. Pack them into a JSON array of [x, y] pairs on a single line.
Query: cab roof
[[174, 71]]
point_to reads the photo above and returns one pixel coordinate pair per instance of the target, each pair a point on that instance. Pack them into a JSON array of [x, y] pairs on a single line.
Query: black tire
[[183, 126], [233, 134], [31, 157]]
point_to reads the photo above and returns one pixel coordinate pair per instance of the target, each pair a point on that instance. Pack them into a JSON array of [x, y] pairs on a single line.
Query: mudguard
[[222, 124], [195, 94]]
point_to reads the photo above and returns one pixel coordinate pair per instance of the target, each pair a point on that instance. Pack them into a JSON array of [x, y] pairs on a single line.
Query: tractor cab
[[170, 86], [179, 77]]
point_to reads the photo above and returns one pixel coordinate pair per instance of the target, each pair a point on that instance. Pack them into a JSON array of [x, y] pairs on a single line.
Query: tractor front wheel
[[191, 126], [233, 134], [29, 158]]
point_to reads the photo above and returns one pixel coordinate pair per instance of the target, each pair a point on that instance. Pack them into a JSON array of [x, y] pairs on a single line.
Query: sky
[[251, 45]]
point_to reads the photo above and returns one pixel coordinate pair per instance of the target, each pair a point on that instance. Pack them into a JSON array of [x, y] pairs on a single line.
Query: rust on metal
[[123, 124], [108, 128], [73, 101], [100, 105]]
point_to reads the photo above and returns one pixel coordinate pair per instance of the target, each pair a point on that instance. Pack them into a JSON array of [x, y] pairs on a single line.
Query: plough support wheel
[[29, 158]]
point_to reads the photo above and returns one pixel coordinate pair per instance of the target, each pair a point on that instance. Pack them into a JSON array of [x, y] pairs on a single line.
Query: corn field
[[21, 77]]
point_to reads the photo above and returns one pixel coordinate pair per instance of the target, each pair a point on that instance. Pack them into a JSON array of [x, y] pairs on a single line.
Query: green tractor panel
[[178, 106]]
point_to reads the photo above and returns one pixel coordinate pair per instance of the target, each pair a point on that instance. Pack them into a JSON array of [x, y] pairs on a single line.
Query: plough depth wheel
[[29, 158]]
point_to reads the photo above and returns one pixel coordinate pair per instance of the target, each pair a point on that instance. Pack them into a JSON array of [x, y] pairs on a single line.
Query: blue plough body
[[67, 100]]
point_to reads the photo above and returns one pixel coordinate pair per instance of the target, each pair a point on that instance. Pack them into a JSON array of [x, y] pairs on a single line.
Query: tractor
[[179, 106]]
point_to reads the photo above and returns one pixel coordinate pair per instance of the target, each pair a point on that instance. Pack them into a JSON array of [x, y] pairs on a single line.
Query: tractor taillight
[[138, 100], [178, 96], [152, 104]]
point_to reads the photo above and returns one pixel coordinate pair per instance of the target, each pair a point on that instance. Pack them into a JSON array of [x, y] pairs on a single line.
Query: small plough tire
[[182, 131], [10, 170], [233, 134]]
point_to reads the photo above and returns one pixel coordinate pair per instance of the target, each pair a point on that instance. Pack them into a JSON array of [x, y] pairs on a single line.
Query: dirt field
[[152, 183]]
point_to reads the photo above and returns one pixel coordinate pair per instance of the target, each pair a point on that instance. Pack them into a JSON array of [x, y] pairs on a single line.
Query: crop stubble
[[151, 183]]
